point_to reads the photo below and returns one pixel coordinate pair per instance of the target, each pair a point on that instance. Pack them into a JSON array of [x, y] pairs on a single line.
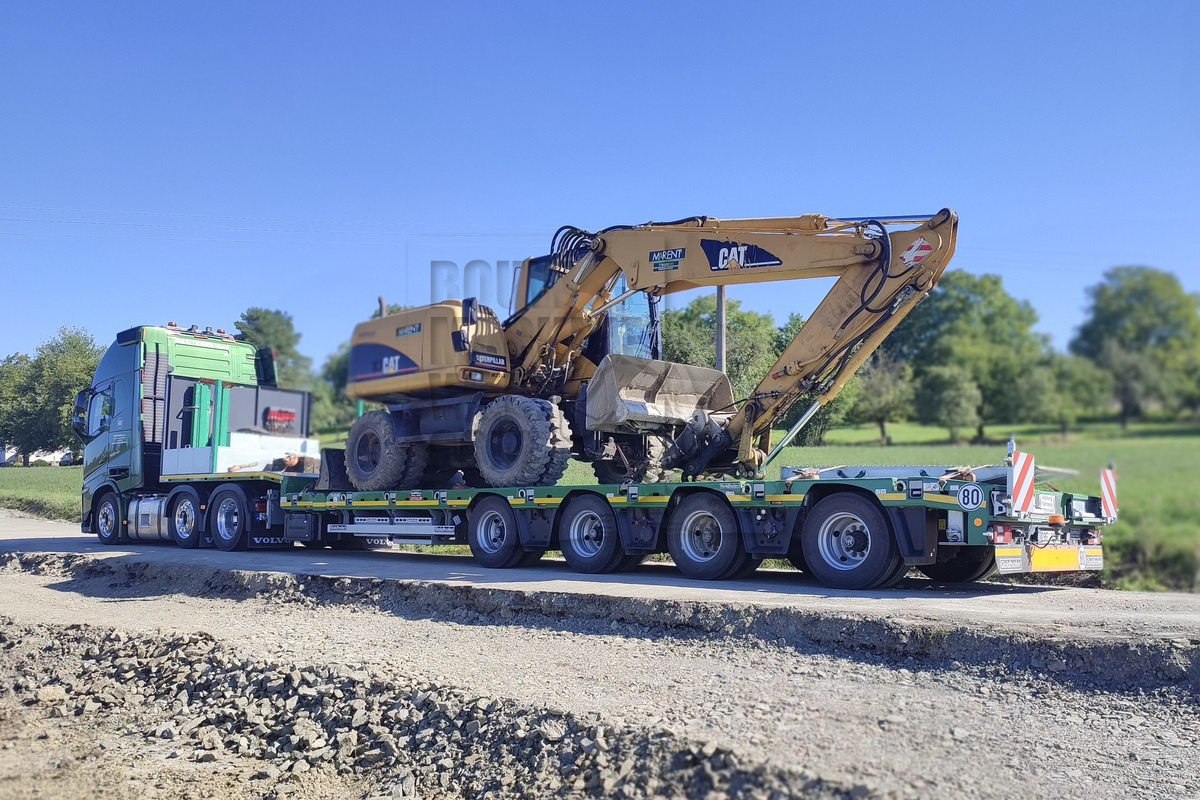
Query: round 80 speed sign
[[970, 496]]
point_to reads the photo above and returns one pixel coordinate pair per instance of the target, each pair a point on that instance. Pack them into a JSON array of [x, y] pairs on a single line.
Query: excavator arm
[[882, 265]]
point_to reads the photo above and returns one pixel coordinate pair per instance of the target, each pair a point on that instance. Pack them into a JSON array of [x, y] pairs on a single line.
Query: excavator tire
[[415, 464], [649, 471], [374, 460], [522, 441]]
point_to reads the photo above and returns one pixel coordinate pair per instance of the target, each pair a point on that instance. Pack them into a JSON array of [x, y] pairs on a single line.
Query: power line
[[268, 219], [236, 241], [259, 230]]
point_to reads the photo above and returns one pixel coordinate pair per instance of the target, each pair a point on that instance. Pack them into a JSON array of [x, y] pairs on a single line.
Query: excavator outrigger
[[510, 402]]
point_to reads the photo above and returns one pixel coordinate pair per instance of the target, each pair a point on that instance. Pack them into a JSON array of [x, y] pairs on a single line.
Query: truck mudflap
[[1017, 558]]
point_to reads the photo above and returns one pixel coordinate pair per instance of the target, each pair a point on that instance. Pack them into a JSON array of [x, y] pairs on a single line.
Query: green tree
[[971, 323], [275, 329], [885, 393], [949, 398], [1144, 312], [1069, 387], [37, 395], [1134, 378], [689, 337]]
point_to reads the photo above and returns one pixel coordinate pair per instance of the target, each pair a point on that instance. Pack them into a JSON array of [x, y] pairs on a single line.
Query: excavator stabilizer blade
[[638, 395]]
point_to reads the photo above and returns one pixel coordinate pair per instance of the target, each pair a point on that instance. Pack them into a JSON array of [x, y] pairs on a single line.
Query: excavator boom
[[882, 266]]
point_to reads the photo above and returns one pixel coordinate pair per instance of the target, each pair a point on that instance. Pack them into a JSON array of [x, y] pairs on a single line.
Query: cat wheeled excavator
[[574, 368]]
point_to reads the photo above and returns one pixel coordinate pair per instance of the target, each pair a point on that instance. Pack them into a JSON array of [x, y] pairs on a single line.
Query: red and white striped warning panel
[[1108, 493], [1021, 481], [916, 252]]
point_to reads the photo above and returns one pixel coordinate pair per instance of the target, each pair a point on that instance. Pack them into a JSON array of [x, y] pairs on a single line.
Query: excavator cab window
[[531, 279], [630, 328]]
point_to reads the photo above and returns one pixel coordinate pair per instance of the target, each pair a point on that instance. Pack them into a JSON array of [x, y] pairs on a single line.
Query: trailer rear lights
[[1000, 534]]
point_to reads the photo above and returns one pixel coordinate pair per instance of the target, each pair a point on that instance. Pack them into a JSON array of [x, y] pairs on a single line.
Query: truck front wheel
[[108, 519], [847, 543]]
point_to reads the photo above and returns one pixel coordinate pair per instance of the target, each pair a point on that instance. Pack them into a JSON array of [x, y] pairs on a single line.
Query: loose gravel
[[227, 684]]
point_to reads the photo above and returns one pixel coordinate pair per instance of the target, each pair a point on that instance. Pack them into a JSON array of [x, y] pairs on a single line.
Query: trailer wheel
[[960, 569], [108, 519], [848, 544], [522, 441], [588, 536], [374, 460], [704, 539], [493, 535], [228, 518], [183, 521]]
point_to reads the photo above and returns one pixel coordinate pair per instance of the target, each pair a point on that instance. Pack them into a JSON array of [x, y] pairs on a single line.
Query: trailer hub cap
[[586, 534], [701, 537], [492, 532], [844, 541], [504, 443], [227, 519]]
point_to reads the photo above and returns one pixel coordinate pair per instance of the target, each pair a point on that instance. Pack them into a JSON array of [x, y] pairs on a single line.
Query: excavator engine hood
[[637, 395]]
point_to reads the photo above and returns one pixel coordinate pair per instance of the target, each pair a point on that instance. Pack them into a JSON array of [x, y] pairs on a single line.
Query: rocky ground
[[118, 682]]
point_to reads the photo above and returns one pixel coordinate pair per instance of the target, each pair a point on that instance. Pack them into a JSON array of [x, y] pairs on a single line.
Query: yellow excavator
[[575, 368]]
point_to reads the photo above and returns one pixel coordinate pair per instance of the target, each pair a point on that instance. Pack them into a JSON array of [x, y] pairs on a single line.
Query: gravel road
[[674, 703]]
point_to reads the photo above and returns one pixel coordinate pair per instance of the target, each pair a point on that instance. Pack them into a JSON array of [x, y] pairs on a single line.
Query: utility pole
[[721, 328]]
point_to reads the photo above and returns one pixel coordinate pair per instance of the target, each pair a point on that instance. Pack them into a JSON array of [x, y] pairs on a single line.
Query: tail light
[[1000, 534]]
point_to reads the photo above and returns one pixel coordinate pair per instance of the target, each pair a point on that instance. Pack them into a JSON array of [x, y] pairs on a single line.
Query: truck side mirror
[[79, 415], [264, 367]]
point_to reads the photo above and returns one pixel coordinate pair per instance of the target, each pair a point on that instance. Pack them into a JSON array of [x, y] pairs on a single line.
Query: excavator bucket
[[638, 395]]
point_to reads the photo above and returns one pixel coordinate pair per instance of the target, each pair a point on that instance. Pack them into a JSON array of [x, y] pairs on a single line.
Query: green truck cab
[[172, 414]]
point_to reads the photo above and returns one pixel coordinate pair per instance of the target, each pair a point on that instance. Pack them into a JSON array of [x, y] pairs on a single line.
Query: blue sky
[[165, 161]]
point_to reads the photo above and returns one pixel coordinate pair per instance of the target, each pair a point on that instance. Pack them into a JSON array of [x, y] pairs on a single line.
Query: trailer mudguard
[[639, 529], [916, 534], [767, 531]]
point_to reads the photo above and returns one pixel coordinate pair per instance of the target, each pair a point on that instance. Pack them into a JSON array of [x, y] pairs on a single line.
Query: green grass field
[[51, 492], [1155, 545]]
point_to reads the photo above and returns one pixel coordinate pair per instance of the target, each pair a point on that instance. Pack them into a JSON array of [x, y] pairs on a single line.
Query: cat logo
[[732, 255]]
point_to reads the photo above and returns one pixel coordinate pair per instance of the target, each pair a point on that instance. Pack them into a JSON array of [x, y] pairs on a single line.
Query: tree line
[[966, 357]]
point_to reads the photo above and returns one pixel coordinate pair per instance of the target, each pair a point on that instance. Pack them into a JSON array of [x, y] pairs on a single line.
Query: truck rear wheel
[[183, 521], [588, 536], [522, 441], [704, 540], [228, 518], [961, 569], [108, 519], [493, 535], [848, 544]]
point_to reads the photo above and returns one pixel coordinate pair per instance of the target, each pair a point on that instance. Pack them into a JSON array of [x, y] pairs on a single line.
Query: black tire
[[185, 522], [492, 533], [416, 461], [796, 550], [897, 575], [704, 539], [374, 460], [847, 542], [348, 544], [522, 441], [228, 518], [631, 561], [748, 567], [530, 557], [646, 462], [108, 519], [588, 536], [961, 570]]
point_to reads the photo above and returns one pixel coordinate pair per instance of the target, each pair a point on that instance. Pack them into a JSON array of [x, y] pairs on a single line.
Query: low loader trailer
[[188, 439]]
